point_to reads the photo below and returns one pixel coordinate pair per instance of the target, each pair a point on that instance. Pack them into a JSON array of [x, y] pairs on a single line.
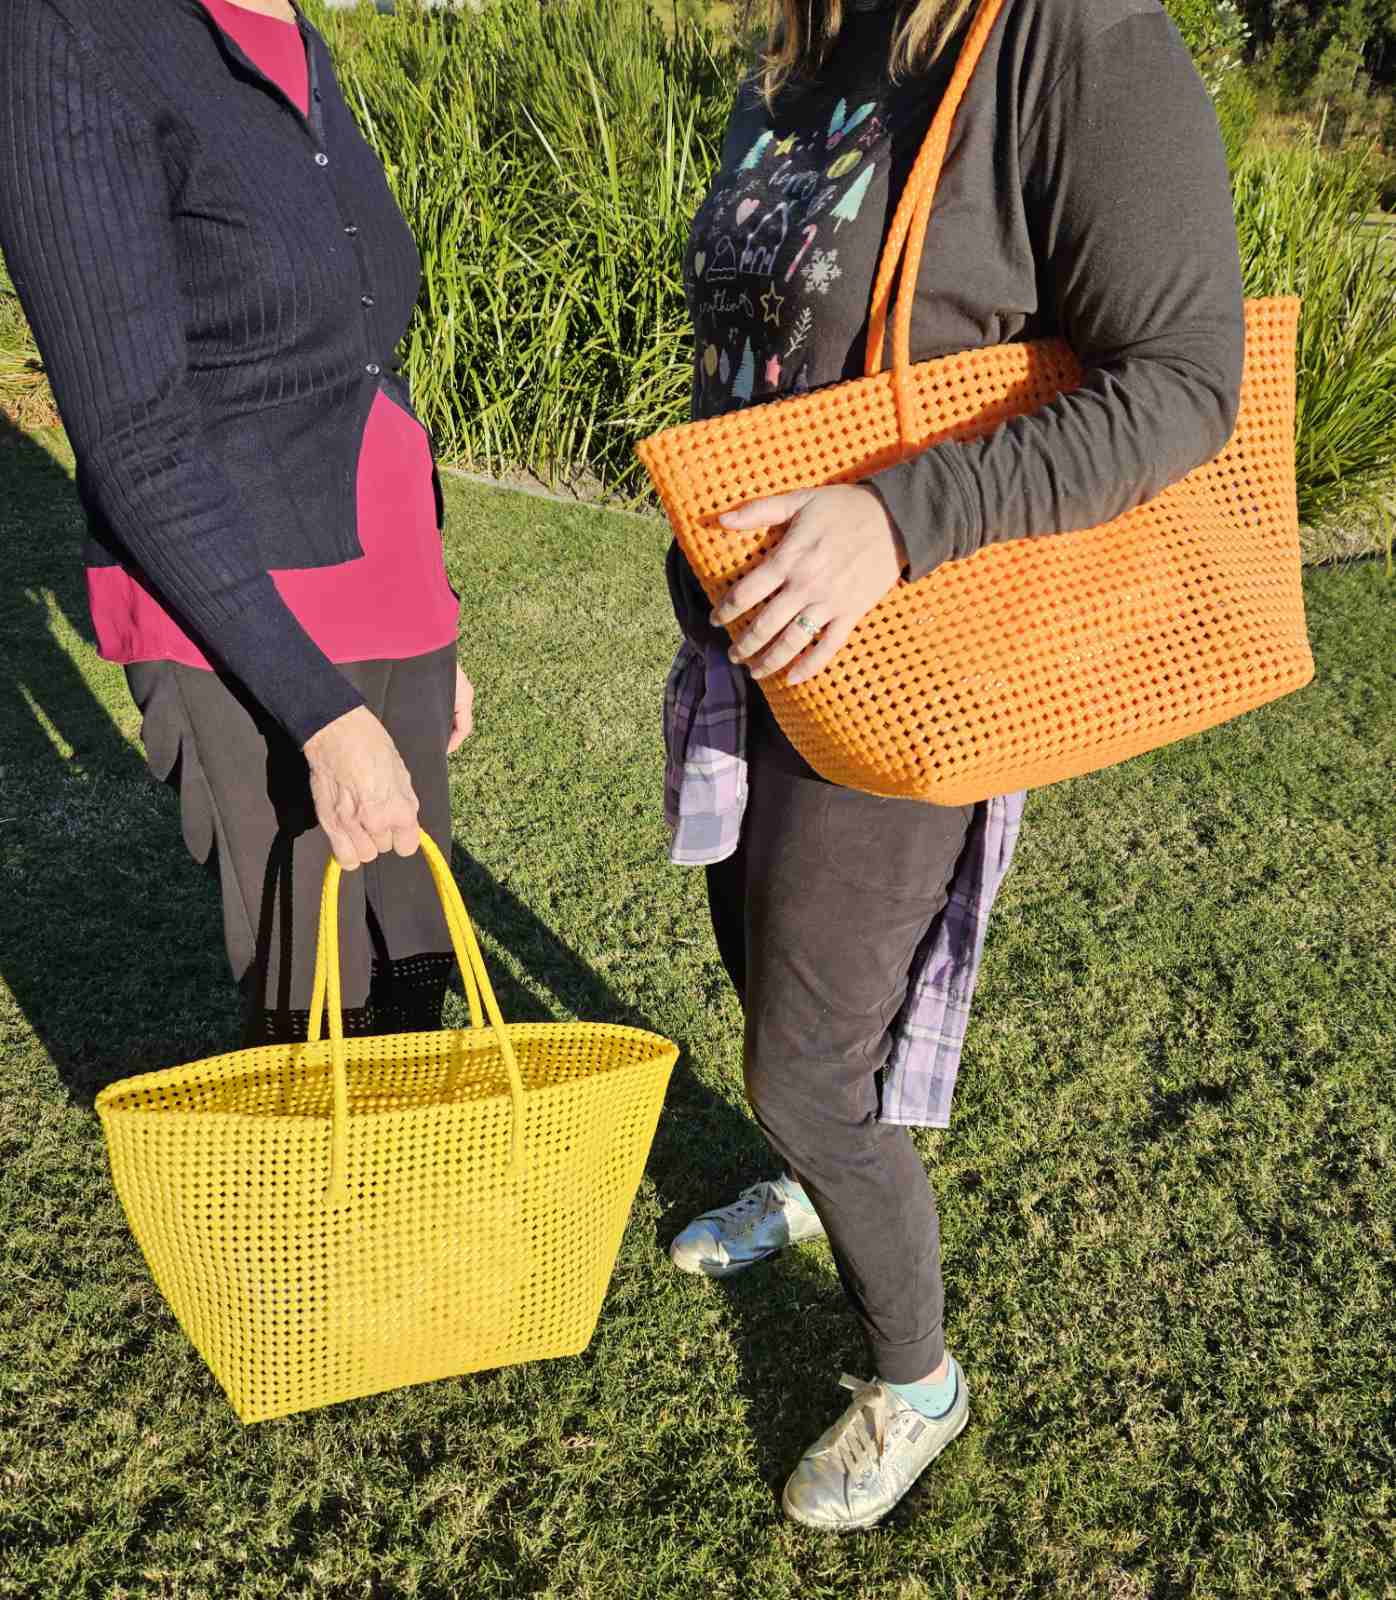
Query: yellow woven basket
[[1035, 659], [334, 1219]]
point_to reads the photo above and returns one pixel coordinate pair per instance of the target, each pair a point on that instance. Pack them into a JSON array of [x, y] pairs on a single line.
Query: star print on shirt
[[771, 303]]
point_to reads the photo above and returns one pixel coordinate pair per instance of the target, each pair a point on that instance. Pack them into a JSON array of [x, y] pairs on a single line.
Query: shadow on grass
[[43, 586], [113, 947], [65, 904], [790, 1317]]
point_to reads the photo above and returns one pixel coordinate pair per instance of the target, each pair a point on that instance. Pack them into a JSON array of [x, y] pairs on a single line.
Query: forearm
[[1127, 433], [182, 527]]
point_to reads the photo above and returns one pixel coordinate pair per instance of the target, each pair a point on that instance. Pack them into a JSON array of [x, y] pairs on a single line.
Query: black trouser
[[818, 916], [245, 803]]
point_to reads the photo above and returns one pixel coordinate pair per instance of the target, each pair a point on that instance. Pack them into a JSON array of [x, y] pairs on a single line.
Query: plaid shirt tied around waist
[[705, 794]]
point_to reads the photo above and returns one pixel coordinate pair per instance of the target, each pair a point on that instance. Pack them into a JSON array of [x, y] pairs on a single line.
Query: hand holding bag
[[1034, 659], [333, 1219]]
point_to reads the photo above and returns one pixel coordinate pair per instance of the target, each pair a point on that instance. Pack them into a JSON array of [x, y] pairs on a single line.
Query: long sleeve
[[85, 225], [1129, 209]]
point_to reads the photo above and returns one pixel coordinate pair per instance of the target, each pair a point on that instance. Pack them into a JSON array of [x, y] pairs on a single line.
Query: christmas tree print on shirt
[[746, 375], [757, 151], [851, 202]]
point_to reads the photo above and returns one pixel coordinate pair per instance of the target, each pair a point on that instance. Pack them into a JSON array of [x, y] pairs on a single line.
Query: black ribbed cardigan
[[216, 285]]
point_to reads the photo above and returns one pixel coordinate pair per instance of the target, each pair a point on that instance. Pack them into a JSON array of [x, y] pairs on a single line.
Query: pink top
[[394, 600]]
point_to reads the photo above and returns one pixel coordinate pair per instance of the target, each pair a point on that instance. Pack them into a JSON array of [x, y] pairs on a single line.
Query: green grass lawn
[[1168, 1195]]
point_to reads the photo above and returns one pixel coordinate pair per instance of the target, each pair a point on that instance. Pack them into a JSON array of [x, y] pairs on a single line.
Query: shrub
[[549, 158], [550, 155], [1299, 216]]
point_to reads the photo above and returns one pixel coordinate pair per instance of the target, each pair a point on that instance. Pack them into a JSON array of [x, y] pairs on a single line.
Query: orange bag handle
[[327, 998], [907, 238]]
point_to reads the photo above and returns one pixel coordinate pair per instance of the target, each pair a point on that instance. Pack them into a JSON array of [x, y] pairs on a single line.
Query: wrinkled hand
[[362, 791], [840, 554], [463, 718]]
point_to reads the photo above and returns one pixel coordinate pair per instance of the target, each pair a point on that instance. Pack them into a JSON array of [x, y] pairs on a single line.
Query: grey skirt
[[246, 811]]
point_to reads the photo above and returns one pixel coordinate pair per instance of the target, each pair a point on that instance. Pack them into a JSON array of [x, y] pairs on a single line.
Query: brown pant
[[818, 916], [246, 809]]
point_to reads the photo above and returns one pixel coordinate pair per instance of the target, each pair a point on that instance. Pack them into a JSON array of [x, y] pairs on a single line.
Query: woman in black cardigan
[[217, 276]]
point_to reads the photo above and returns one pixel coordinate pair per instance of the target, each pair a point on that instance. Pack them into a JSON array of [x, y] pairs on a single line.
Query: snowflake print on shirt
[[823, 269], [778, 270]]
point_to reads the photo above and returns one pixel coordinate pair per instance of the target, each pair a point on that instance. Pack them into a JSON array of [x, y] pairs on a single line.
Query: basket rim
[[109, 1100], [1291, 305]]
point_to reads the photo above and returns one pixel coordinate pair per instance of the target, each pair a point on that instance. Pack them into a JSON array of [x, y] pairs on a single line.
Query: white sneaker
[[762, 1220], [854, 1473]]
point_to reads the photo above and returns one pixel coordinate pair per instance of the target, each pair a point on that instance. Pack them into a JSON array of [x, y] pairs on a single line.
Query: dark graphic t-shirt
[[782, 254], [1084, 195]]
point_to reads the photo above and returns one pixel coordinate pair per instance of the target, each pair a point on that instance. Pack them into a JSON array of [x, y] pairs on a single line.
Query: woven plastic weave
[[1034, 659], [338, 1218]]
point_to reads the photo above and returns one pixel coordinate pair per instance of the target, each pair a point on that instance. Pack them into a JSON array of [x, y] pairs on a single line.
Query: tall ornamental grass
[[1299, 219], [549, 157], [550, 154]]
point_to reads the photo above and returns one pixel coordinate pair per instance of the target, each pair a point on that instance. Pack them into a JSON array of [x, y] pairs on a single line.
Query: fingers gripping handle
[[326, 1000]]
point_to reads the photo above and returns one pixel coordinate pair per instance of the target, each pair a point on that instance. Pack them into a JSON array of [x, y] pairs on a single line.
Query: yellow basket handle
[[327, 997]]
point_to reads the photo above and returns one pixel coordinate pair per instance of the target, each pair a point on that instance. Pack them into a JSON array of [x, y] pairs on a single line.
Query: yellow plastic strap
[[326, 1000], [907, 236], [327, 995], [470, 957]]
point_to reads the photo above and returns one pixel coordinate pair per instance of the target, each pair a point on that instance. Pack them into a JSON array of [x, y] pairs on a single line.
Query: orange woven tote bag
[[1034, 659]]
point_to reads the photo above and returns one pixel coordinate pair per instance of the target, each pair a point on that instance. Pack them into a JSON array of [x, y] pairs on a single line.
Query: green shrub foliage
[[1300, 219], [549, 155]]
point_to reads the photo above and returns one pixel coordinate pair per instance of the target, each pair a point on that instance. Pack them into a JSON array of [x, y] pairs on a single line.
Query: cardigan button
[[321, 159], [366, 299], [351, 228], [373, 369]]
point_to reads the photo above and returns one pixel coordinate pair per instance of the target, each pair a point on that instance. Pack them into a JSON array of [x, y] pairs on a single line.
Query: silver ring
[[813, 629]]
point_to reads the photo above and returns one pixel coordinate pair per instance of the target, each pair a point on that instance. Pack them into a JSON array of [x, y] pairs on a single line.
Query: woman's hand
[[463, 719], [840, 555], [362, 791]]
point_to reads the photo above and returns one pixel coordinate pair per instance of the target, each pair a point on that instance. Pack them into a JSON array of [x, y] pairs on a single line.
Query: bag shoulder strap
[[907, 237]]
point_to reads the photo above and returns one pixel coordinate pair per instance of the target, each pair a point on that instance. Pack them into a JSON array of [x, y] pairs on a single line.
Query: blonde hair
[[802, 32]]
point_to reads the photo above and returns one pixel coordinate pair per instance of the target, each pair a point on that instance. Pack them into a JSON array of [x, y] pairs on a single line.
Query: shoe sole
[[872, 1522], [699, 1268], [702, 1269]]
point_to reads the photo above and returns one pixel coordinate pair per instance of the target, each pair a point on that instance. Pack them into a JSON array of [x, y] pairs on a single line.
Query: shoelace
[[860, 1444], [760, 1198]]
